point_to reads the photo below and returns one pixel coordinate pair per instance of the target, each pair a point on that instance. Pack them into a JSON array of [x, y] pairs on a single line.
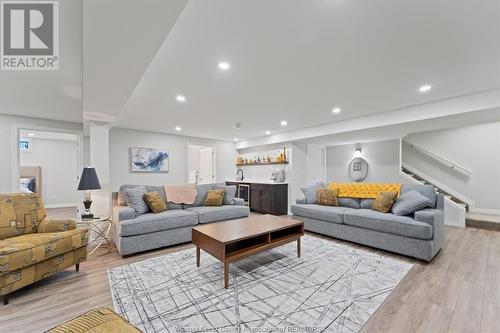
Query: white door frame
[[16, 157], [213, 159]]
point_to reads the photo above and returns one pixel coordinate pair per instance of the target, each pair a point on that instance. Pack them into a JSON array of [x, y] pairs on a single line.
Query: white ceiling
[[121, 38], [50, 94], [296, 60], [290, 59]]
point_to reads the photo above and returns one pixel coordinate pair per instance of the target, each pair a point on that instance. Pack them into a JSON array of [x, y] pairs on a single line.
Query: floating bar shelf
[[265, 163]]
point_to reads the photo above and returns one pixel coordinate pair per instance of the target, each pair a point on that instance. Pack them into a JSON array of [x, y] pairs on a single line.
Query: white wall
[[477, 148], [58, 161], [316, 167], [382, 158], [8, 145], [121, 139]]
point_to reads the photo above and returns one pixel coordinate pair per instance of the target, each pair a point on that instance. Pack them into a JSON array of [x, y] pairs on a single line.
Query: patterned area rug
[[332, 288]]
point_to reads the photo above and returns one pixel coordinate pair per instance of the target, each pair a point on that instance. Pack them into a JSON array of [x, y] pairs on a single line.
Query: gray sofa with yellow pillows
[[136, 228], [413, 225]]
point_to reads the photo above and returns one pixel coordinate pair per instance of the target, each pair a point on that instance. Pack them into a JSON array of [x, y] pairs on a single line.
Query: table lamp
[[88, 182]]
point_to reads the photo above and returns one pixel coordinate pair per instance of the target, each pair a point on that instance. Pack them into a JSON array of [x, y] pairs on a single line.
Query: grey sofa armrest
[[124, 213], [301, 201], [434, 217], [239, 201]]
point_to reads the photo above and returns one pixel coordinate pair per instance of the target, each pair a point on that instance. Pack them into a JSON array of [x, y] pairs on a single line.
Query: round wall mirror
[[358, 169]]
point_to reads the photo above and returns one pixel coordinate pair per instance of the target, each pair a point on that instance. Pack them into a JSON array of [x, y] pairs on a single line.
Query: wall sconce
[[358, 153]]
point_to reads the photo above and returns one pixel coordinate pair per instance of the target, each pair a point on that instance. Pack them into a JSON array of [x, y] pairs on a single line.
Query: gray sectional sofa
[[419, 235], [148, 231]]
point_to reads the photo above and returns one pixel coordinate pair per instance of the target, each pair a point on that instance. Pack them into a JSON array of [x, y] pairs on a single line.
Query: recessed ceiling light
[[180, 98], [284, 123], [336, 110], [178, 128], [235, 139], [224, 66], [425, 88], [31, 134], [268, 132]]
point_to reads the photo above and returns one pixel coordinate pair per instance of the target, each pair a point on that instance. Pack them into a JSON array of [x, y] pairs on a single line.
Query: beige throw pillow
[[384, 202], [327, 197], [215, 197], [154, 202]]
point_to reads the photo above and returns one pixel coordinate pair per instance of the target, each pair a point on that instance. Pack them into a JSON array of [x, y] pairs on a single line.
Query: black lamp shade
[[89, 180]]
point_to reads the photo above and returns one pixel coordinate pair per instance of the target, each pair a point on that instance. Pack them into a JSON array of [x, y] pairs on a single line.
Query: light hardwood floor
[[458, 292]]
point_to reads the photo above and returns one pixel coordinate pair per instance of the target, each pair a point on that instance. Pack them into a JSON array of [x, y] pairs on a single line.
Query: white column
[[99, 159]]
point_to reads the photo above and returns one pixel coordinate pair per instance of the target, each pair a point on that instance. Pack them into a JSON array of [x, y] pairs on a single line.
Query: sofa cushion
[[20, 213], [26, 250], [201, 195], [135, 199], [229, 194], [147, 223], [324, 213], [427, 191], [122, 197], [310, 192], [366, 203], [350, 202], [410, 202], [388, 223], [207, 214]]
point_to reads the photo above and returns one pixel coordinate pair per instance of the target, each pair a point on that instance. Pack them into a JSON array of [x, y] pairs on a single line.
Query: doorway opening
[[49, 163], [201, 164]]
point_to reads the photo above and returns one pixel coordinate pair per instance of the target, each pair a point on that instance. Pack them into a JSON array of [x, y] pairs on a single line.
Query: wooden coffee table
[[230, 241]]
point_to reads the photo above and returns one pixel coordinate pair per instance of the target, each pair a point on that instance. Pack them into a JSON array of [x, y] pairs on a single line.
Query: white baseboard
[[485, 211]]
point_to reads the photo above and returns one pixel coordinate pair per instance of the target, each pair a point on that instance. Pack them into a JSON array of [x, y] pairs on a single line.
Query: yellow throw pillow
[[154, 202], [327, 197], [215, 198], [384, 202]]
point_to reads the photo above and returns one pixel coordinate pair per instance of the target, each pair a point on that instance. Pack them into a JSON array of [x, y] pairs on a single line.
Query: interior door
[[207, 174]]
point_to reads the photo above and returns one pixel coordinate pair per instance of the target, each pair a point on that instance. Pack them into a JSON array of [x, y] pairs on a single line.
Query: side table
[[99, 229]]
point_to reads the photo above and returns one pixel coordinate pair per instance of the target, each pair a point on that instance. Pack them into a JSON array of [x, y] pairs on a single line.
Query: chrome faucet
[[238, 176]]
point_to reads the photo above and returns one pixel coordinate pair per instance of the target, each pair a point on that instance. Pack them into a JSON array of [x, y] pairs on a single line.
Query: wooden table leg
[[197, 256], [226, 274], [298, 247]]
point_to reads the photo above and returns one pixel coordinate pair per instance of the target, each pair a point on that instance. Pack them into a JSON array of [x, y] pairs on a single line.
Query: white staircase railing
[[441, 159], [455, 213]]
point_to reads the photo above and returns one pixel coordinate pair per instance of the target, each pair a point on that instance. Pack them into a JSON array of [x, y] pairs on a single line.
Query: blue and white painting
[[149, 159]]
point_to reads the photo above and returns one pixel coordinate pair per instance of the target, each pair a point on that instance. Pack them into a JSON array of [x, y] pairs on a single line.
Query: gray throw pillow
[[229, 193], [409, 203], [135, 199], [349, 202], [311, 191]]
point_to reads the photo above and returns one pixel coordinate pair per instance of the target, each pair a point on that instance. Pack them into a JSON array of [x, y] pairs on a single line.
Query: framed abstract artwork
[[153, 160]]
